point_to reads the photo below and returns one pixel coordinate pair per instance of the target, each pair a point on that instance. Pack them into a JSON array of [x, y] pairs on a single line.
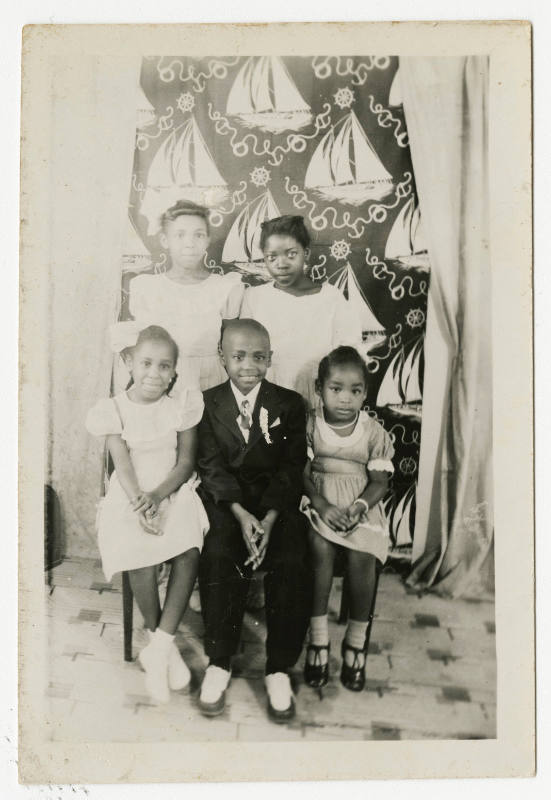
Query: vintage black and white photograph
[[269, 435]]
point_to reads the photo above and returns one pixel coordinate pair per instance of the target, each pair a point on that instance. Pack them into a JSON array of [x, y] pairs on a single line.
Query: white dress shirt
[[251, 399]]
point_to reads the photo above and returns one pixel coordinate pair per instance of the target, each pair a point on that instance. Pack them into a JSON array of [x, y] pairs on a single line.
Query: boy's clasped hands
[[256, 533], [342, 521]]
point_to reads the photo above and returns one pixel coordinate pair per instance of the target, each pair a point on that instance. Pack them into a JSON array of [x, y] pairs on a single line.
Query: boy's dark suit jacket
[[256, 474]]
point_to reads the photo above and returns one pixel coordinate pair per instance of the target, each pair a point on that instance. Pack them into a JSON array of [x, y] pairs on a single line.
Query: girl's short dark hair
[[343, 356], [154, 333], [287, 225], [185, 208]]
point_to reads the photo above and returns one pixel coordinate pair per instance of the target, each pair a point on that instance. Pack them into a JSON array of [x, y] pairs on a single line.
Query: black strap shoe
[[353, 677], [316, 674]]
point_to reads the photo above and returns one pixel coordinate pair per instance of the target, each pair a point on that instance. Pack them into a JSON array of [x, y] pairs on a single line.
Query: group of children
[[241, 444]]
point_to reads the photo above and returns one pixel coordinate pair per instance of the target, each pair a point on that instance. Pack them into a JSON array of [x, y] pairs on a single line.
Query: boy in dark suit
[[252, 454]]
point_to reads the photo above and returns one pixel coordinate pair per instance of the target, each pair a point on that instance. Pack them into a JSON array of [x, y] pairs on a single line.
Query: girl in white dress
[[345, 480], [188, 300], [151, 513], [305, 319]]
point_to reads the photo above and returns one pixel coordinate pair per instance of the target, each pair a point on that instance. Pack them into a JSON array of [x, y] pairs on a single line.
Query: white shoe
[[179, 675], [281, 701], [212, 699], [154, 660]]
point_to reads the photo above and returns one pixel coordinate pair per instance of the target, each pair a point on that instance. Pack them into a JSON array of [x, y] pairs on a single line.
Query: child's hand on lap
[[146, 503], [335, 518], [355, 512], [251, 530], [148, 524], [267, 525]]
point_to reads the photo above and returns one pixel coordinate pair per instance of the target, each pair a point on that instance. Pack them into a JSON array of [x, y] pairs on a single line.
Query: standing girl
[[188, 300], [305, 319], [347, 477], [151, 513]]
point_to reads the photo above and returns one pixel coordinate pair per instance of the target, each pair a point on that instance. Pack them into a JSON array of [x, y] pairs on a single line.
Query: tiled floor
[[431, 672]]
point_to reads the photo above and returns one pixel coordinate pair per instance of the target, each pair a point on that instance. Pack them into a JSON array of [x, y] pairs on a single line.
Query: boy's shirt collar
[[251, 397]]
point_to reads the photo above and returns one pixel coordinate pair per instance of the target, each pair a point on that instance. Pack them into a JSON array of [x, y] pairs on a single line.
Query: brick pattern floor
[[430, 672]]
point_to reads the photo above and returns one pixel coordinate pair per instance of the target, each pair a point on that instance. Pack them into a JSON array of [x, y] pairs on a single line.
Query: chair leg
[[127, 615], [372, 611]]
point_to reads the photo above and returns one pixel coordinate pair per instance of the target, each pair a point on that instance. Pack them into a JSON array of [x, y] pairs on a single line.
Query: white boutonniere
[[263, 419]]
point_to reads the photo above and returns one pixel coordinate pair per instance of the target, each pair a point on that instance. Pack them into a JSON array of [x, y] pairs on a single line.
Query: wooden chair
[[127, 615], [128, 610]]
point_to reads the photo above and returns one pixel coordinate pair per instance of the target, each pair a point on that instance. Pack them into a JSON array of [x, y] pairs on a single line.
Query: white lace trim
[[381, 465]]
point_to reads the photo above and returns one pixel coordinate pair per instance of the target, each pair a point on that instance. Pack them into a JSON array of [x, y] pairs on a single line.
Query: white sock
[[163, 641], [319, 630], [178, 672], [356, 632], [154, 660]]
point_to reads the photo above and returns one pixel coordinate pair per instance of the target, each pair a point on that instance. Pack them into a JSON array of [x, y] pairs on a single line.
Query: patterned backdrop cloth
[[256, 137]]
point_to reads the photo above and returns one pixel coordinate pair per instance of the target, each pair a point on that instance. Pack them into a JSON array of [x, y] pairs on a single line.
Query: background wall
[[91, 157]]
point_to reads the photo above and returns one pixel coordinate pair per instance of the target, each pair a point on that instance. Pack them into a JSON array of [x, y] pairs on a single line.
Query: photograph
[[266, 402]]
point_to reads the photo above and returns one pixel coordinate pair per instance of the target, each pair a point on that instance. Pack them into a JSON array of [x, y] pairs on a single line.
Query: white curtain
[[93, 131], [445, 104]]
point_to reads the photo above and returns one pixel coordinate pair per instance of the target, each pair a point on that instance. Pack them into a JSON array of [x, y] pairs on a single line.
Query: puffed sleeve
[[381, 450], [310, 424], [190, 408], [103, 419], [138, 297], [247, 311], [347, 326], [234, 298]]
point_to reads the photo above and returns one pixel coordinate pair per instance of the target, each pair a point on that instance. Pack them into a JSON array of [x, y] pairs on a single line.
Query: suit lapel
[[226, 410]]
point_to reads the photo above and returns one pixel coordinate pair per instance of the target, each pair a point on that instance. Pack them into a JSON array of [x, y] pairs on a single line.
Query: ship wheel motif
[[344, 97], [260, 176], [415, 317], [185, 102], [340, 249], [408, 465]]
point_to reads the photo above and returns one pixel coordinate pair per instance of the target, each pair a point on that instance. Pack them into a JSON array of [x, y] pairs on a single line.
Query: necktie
[[245, 419]]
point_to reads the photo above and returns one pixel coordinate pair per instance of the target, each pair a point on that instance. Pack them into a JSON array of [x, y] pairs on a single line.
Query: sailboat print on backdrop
[[406, 243], [264, 96], [400, 390], [242, 245], [136, 256], [345, 167], [145, 111], [372, 330], [181, 169], [401, 519]]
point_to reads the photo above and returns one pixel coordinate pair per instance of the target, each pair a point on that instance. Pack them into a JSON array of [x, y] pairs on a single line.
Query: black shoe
[[316, 674], [353, 677]]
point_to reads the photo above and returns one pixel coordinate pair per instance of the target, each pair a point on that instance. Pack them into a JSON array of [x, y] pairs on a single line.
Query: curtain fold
[[445, 104], [93, 131]]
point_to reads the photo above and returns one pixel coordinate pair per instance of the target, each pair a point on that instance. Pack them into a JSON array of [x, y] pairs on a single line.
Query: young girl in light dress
[[188, 300], [151, 513], [305, 319], [345, 480]]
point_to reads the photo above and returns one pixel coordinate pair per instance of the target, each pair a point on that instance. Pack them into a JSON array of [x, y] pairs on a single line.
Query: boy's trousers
[[224, 583]]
